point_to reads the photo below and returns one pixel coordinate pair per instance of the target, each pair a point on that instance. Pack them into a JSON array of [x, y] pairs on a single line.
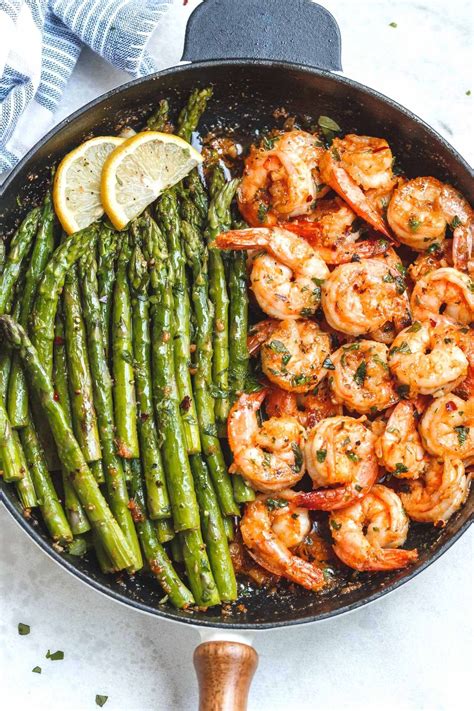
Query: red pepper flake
[[144, 416], [137, 513], [56, 396], [58, 341], [451, 406], [185, 403]]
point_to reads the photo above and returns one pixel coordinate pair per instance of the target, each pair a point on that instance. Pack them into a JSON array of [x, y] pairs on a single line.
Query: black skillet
[[238, 46]]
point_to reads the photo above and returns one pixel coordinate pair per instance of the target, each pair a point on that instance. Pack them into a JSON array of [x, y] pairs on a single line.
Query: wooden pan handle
[[224, 671]]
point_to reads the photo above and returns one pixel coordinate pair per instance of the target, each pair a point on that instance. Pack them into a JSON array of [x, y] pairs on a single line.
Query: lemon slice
[[140, 169], [76, 192]]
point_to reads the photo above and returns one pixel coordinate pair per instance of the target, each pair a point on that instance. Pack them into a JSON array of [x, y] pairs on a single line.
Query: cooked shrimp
[[439, 493], [447, 292], [422, 208], [308, 408], [270, 527], [339, 450], [424, 364], [270, 456], [286, 279], [293, 356], [463, 337], [361, 379], [368, 534], [281, 181], [354, 165], [399, 447], [329, 228], [364, 297], [447, 428]]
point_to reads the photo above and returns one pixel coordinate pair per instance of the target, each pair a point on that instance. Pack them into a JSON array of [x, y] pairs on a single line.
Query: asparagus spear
[[19, 247], [75, 513], [49, 289], [167, 211], [219, 220], [114, 474], [214, 531], [48, 502], [159, 120], [84, 418], [189, 117], [165, 395], [202, 379], [154, 553], [198, 569], [107, 250], [69, 450], [122, 358], [12, 462], [157, 495], [17, 399], [164, 530], [238, 323]]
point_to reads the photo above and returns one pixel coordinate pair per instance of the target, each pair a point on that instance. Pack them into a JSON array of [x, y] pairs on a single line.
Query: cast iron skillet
[[250, 81]]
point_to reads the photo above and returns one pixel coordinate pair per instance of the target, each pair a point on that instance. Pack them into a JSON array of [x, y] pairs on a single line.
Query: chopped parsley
[[298, 457], [300, 379], [268, 142], [414, 224], [23, 629], [377, 359], [352, 456], [36, 670], [306, 313], [400, 468], [55, 656], [433, 248], [262, 212], [402, 348], [273, 504], [414, 328], [100, 699], [321, 455], [358, 488], [361, 374], [462, 433], [392, 24], [351, 347], [455, 222], [335, 525]]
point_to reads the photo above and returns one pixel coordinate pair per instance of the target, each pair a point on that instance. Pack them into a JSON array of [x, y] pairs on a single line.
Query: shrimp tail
[[260, 333], [339, 180], [327, 499], [463, 250], [242, 239], [378, 559]]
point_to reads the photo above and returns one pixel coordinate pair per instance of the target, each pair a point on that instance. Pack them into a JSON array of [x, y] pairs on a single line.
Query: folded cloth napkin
[[40, 42]]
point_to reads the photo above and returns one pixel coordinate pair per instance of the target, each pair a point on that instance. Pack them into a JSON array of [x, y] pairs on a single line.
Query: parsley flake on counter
[[55, 656], [36, 670], [23, 629], [100, 699], [392, 24]]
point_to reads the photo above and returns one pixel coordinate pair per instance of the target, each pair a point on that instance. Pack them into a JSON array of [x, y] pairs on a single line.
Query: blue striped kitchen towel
[[40, 42]]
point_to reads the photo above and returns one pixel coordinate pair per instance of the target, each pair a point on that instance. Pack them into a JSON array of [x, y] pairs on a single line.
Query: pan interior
[[246, 96]]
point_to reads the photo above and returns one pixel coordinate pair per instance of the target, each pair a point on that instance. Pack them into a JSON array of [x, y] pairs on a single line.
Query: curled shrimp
[[271, 455], [439, 493], [308, 408], [329, 228], [399, 447], [339, 451], [424, 364], [354, 165], [270, 528], [293, 356], [463, 337], [361, 379], [367, 297], [280, 181], [259, 333], [286, 279], [422, 208], [367, 535], [447, 428], [445, 292]]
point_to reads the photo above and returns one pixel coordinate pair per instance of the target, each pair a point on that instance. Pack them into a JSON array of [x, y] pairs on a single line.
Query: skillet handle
[[224, 671], [299, 31]]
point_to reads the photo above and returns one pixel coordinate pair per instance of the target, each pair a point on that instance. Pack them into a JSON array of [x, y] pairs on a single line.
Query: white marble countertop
[[410, 650]]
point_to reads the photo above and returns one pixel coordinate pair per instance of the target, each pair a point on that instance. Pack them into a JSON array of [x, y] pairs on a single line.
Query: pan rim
[[172, 615]]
